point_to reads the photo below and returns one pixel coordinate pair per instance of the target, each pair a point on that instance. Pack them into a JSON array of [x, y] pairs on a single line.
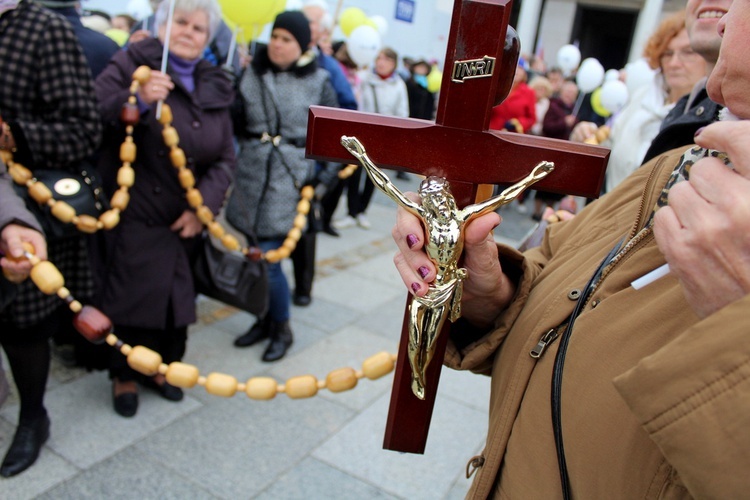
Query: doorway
[[604, 33]]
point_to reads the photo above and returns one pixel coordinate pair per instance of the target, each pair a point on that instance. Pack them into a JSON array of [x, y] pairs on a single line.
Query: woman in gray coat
[[276, 91]]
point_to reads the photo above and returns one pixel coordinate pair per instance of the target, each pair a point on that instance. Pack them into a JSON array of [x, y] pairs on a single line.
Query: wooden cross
[[480, 63]]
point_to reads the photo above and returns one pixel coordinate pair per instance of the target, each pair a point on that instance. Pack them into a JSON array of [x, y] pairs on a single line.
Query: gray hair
[[210, 7]]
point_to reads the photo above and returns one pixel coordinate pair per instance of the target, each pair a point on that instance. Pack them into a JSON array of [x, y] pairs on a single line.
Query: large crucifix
[[480, 63]]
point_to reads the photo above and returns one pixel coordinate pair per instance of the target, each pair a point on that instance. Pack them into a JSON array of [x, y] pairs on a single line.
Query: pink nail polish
[[415, 287], [411, 240], [423, 271]]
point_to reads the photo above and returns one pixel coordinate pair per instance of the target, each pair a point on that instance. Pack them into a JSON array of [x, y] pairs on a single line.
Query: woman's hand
[[157, 88], [15, 267], [187, 225], [487, 291], [704, 233]]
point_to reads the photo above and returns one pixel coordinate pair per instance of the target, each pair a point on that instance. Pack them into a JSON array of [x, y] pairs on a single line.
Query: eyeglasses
[[683, 55]]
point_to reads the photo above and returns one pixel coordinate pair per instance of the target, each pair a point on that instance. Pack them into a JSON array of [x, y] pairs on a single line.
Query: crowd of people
[[241, 120]]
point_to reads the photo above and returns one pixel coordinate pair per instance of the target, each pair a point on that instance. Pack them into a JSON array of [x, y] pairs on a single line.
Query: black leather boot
[[281, 339], [259, 331], [24, 450]]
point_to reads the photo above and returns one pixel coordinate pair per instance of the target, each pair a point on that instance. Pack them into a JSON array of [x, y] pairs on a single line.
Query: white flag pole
[[165, 52]]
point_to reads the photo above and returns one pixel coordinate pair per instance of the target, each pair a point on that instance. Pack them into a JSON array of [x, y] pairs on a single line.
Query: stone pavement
[[326, 447]]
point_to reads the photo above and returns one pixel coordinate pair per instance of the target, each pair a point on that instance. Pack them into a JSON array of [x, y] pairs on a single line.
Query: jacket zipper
[[544, 341]]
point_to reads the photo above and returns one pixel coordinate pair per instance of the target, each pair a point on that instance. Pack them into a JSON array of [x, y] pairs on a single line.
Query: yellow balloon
[[370, 22], [351, 18], [596, 104], [434, 79], [250, 20]]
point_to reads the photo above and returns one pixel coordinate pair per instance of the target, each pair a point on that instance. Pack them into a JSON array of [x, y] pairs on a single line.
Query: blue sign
[[405, 10]]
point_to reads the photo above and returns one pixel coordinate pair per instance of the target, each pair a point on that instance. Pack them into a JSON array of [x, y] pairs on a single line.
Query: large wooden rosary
[[96, 327]]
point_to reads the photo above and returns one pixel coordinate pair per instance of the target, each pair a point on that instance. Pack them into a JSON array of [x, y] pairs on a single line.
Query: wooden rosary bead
[[204, 214], [378, 365], [307, 192], [142, 74], [283, 253], [144, 360], [261, 388], [182, 375], [40, 193], [86, 224], [110, 219], [128, 150], [300, 221], [289, 243], [178, 158], [126, 176], [273, 256], [93, 324], [47, 277], [254, 253], [166, 115], [130, 114], [194, 198], [303, 206], [64, 212], [186, 177], [20, 174], [230, 242], [120, 199], [341, 380], [304, 386], [216, 230], [170, 135], [220, 384], [295, 234]]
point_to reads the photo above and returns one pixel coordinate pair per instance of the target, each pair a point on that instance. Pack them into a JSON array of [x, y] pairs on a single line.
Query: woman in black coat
[[146, 279]]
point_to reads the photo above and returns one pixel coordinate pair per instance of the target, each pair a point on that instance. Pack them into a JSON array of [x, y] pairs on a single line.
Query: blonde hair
[[665, 32], [541, 83]]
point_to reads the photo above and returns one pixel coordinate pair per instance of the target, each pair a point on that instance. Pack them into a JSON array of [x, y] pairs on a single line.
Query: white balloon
[[363, 45], [381, 23], [590, 75], [614, 95], [638, 73], [568, 57], [611, 74]]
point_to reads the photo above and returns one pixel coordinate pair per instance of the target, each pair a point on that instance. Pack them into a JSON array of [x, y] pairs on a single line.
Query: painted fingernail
[[411, 240], [699, 131], [423, 271], [415, 287]]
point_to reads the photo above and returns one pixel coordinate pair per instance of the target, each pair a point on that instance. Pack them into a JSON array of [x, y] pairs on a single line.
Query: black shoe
[[24, 450], [331, 231], [126, 404], [281, 340], [165, 390], [302, 300], [259, 331]]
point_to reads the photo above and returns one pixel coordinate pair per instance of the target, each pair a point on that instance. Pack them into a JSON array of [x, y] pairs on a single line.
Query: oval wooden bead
[[20, 174], [230, 242], [289, 243], [307, 192], [144, 360], [261, 388], [178, 158], [273, 256], [47, 277], [125, 176], [171, 138], [204, 214], [110, 219], [303, 206], [342, 379], [378, 365], [40, 193], [295, 234], [194, 198], [182, 374], [300, 221], [304, 386], [166, 115], [142, 74], [63, 211], [187, 179], [93, 324], [220, 384], [215, 229], [120, 199], [128, 150], [87, 224]]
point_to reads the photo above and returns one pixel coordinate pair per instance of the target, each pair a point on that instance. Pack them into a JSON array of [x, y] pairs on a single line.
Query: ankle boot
[[259, 331], [26, 445], [281, 339]]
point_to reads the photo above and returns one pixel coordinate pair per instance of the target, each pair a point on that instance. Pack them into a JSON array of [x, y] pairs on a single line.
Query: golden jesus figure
[[444, 223]]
